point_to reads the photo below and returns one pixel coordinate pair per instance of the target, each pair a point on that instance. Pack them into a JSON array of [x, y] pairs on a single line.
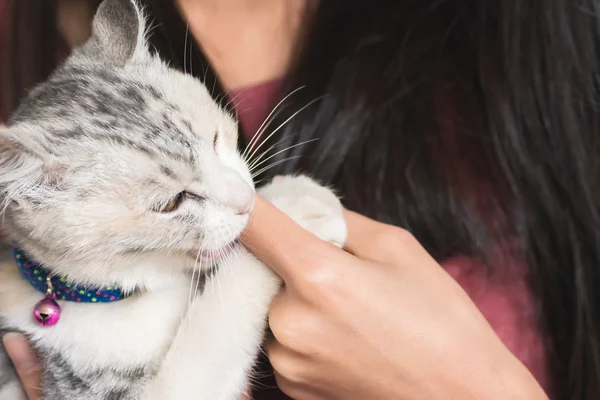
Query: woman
[[472, 125]]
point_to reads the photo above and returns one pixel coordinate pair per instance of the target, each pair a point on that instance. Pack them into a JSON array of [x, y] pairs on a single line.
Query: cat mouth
[[211, 257]]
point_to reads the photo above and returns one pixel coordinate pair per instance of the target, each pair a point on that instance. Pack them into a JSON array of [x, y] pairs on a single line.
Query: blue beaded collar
[[36, 275]]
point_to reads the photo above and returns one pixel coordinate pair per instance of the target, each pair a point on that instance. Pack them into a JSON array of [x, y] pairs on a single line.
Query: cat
[[121, 174]]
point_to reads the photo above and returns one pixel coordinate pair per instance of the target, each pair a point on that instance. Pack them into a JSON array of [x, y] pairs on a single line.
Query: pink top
[[504, 298]]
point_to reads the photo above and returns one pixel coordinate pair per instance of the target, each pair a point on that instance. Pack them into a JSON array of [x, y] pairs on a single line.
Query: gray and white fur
[[86, 164]]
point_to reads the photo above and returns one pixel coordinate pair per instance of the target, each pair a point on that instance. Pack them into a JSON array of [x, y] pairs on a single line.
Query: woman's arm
[[507, 302]]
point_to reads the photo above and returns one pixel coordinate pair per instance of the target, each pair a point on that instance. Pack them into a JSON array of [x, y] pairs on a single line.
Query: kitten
[[121, 174]]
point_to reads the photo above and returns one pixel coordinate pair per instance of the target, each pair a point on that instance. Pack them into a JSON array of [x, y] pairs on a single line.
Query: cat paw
[[314, 207]]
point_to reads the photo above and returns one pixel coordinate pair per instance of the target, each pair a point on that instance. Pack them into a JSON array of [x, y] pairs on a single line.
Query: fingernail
[[19, 351]]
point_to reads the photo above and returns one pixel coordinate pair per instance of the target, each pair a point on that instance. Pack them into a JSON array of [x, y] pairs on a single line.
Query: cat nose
[[235, 193], [248, 204], [244, 199]]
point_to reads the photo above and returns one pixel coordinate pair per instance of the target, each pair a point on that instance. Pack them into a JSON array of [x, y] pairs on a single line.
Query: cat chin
[[211, 257]]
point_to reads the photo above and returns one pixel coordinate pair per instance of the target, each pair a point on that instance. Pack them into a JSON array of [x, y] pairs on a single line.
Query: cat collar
[[47, 311]]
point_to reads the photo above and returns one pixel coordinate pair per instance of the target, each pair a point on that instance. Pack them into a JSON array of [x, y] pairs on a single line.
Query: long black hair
[[30, 47], [471, 123]]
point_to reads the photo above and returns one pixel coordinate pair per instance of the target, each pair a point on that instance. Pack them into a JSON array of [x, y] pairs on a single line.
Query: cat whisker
[[194, 270], [212, 91], [272, 165], [253, 166], [266, 122], [216, 276], [258, 136], [257, 376], [246, 245], [229, 256], [263, 154], [258, 182], [194, 292], [205, 75], [185, 46], [231, 101], [241, 239], [234, 247], [191, 291], [191, 58], [263, 126], [284, 123], [241, 112], [226, 266]]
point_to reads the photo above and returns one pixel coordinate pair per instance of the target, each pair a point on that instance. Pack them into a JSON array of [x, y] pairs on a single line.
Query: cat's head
[[118, 161]]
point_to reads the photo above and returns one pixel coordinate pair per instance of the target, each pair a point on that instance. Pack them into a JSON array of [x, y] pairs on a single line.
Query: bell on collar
[[47, 311]]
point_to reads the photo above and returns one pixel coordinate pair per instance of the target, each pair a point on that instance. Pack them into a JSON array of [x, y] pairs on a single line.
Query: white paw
[[316, 208]]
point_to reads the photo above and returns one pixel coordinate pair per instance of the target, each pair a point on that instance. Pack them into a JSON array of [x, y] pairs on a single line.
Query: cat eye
[[216, 140], [172, 204]]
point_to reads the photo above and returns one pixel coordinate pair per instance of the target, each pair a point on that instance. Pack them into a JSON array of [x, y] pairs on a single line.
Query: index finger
[[279, 242]]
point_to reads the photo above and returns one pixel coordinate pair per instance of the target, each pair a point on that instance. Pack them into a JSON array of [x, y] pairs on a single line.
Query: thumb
[[26, 363]]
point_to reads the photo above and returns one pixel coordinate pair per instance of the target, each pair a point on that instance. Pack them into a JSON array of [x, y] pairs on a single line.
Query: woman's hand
[[26, 363], [385, 322]]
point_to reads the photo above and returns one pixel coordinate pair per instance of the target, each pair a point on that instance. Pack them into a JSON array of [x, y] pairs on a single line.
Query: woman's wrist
[[521, 384], [505, 378], [481, 367]]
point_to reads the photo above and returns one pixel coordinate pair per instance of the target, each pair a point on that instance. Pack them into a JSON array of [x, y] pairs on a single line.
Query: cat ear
[[118, 33], [16, 162], [20, 168]]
